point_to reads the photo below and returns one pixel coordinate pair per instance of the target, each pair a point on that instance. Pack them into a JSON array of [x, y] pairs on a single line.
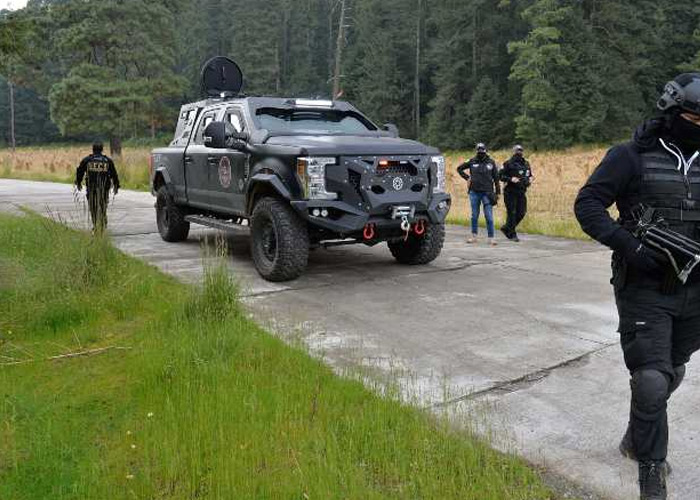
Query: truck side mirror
[[392, 129], [215, 135], [222, 135]]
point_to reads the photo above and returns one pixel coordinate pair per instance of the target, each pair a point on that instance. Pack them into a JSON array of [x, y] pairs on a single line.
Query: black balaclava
[[518, 153], [683, 133]]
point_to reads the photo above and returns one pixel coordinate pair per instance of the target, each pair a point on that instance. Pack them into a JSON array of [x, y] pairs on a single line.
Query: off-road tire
[[279, 241], [170, 218], [417, 250]]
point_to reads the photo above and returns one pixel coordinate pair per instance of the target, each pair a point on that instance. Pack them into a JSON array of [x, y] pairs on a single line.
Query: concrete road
[[521, 337]]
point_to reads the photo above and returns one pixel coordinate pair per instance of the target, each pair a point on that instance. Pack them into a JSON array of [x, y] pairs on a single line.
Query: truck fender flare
[[162, 172], [266, 183]]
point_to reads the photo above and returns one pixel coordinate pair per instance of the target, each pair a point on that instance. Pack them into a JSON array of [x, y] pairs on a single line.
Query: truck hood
[[352, 145]]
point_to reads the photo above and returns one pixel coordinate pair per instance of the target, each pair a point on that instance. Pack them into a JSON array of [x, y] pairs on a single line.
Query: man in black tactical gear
[[516, 174], [484, 189], [659, 316], [101, 176]]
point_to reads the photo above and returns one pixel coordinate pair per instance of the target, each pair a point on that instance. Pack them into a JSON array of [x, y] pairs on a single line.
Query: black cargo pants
[[516, 208], [97, 203], [658, 332]]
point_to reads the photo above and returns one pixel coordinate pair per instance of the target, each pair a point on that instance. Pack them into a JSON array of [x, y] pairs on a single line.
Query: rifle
[[683, 253]]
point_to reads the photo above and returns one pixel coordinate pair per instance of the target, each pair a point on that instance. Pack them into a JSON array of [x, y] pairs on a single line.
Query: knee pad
[[650, 388], [679, 373]]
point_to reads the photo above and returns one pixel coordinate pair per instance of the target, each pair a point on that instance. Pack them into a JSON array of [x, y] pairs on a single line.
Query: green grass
[[194, 400]]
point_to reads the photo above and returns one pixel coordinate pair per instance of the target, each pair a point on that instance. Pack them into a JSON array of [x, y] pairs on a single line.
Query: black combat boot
[[652, 480], [627, 449]]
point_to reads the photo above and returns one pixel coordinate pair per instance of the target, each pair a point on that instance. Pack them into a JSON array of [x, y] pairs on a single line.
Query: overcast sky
[[12, 4]]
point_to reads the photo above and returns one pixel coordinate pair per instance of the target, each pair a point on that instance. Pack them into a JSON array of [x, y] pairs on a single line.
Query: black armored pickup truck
[[300, 173]]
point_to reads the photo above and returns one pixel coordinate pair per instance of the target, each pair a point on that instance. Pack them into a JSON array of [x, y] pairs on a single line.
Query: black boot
[[627, 449], [506, 232], [652, 480]]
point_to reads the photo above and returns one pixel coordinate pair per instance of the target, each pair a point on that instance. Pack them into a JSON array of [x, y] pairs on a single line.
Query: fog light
[[442, 205], [316, 212], [324, 213]]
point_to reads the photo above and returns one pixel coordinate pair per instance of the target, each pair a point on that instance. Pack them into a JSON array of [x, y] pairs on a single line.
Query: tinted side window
[[233, 116], [207, 118]]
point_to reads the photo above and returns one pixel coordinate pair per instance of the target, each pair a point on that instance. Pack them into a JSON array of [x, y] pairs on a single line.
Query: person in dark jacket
[[659, 316], [516, 174], [482, 174], [100, 175]]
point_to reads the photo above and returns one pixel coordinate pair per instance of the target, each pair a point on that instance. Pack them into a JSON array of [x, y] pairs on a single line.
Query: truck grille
[[355, 178], [394, 167]]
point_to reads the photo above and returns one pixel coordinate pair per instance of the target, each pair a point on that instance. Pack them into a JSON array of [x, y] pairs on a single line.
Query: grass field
[[118, 382], [558, 176]]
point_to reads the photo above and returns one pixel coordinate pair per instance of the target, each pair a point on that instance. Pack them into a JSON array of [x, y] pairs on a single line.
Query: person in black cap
[[659, 316], [484, 189], [101, 176], [516, 174]]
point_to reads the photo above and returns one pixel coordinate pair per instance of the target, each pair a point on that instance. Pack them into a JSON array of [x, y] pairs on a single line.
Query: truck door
[[227, 171], [197, 164]]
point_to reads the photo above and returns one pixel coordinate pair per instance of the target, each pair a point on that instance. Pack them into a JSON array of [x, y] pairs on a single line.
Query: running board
[[237, 224]]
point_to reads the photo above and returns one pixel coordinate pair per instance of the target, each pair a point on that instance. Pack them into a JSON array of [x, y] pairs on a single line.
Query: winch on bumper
[[381, 192]]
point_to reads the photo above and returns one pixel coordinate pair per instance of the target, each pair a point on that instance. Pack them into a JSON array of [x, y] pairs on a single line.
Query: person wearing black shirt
[[100, 175], [482, 174], [659, 316], [516, 174]]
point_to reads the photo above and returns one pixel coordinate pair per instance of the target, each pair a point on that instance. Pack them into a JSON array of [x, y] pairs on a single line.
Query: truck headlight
[[312, 175], [439, 162]]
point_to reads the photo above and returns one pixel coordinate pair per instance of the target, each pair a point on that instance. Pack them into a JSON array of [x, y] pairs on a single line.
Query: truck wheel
[[279, 240], [170, 218], [422, 249]]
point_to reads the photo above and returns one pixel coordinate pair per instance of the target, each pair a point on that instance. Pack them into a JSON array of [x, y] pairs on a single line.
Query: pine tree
[[121, 68]]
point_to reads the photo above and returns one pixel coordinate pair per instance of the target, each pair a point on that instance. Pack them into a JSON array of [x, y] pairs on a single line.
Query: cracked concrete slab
[[521, 336]]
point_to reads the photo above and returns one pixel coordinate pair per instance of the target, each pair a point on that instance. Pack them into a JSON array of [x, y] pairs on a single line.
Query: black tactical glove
[[646, 259], [637, 255]]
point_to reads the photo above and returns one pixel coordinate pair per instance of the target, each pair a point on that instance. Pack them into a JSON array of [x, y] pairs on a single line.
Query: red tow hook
[[419, 227], [368, 232]]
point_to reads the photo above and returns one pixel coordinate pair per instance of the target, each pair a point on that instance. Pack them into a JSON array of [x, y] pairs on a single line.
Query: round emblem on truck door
[[397, 183], [225, 172]]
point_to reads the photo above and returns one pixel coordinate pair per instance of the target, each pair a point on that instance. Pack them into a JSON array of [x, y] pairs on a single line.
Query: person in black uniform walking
[[659, 317], [484, 189], [516, 174], [101, 176]]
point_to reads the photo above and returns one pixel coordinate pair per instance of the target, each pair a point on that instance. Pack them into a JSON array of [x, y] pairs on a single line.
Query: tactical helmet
[[518, 148], [682, 92], [481, 147]]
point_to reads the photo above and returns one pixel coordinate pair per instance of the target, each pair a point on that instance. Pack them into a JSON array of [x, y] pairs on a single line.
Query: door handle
[[212, 159], [188, 159]]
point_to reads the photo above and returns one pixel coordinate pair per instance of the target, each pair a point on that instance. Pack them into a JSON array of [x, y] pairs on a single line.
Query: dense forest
[[550, 73]]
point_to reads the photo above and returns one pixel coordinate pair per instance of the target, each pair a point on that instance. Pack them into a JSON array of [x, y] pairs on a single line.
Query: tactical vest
[[98, 174], [675, 196]]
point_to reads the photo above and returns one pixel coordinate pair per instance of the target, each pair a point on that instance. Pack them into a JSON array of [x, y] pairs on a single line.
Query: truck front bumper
[[345, 219]]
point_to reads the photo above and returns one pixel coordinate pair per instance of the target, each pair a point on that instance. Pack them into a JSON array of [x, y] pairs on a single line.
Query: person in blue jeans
[[481, 172]]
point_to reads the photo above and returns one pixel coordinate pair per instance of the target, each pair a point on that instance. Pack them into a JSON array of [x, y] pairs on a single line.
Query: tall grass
[[194, 400], [558, 177], [58, 164]]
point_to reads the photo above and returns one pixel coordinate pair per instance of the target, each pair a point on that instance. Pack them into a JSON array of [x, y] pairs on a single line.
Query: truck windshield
[[313, 121]]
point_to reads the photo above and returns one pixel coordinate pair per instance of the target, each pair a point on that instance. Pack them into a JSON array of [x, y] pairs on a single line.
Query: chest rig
[[671, 185]]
